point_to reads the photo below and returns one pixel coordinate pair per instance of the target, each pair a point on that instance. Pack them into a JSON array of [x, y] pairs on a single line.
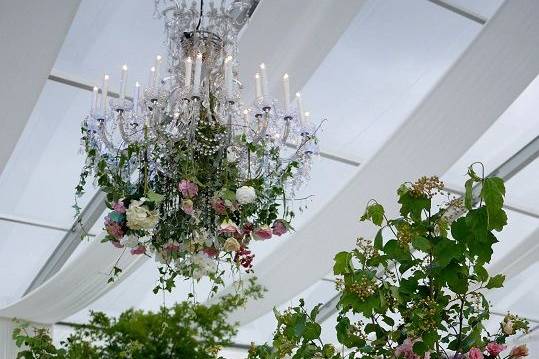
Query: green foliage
[[186, 330], [419, 288]]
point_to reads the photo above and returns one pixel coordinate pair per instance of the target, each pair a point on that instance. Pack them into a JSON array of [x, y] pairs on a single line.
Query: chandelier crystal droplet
[[192, 174]]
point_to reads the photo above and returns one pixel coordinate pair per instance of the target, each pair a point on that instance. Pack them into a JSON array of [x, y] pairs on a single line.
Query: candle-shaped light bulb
[[264, 76], [228, 77], [300, 109], [123, 80], [104, 94], [258, 86], [198, 72], [188, 73], [157, 71], [286, 90], [136, 97], [152, 76], [95, 93]]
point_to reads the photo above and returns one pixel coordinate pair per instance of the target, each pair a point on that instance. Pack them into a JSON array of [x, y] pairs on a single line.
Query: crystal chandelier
[[192, 174]]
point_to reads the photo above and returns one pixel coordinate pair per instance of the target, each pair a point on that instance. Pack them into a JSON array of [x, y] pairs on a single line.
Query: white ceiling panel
[[107, 34], [39, 180], [387, 60], [484, 8], [514, 129]]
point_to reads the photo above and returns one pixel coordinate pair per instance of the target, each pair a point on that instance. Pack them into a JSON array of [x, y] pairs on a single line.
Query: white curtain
[[79, 283]]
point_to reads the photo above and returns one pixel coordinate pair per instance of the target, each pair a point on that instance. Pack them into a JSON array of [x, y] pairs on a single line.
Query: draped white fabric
[[76, 285]]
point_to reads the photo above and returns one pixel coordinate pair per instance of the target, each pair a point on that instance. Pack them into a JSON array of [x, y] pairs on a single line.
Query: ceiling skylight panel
[[39, 180]]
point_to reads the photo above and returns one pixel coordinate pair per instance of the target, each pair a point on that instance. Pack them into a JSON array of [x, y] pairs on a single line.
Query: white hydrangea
[[245, 195], [140, 217], [200, 264]]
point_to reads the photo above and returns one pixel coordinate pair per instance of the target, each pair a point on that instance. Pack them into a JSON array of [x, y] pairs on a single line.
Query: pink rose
[[114, 229], [119, 207], [188, 188], [172, 247], [494, 348], [475, 353], [218, 206], [187, 206], [519, 352], [279, 227], [210, 251], [138, 250], [263, 232], [228, 227]]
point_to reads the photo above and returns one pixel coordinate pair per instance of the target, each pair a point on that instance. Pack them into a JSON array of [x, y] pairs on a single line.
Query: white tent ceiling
[[363, 65]]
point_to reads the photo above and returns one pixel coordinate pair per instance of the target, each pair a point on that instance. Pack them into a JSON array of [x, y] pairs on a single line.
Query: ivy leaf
[[496, 281], [155, 197]]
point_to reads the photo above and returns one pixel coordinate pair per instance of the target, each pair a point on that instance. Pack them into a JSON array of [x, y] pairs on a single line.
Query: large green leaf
[[342, 263], [496, 281]]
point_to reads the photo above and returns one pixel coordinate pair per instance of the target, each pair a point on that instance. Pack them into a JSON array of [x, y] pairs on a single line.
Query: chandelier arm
[[105, 137]]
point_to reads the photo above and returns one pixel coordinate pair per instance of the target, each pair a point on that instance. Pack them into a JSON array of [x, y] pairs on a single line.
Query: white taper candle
[[157, 71], [198, 72], [136, 97], [286, 90], [258, 86], [152, 76], [104, 94], [264, 76], [123, 80], [300, 109], [94, 99], [188, 73]]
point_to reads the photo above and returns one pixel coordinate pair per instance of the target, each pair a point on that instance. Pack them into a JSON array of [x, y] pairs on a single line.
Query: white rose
[[129, 241], [231, 245], [140, 217], [245, 195]]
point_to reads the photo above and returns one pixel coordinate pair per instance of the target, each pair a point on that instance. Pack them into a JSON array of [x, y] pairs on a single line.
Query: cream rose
[[245, 195], [140, 217], [231, 245]]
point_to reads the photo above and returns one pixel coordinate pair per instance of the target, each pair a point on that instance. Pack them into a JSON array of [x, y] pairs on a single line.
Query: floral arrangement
[[194, 203], [185, 330], [417, 291]]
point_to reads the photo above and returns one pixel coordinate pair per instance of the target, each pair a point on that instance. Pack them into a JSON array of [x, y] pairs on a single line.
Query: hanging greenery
[[418, 289], [185, 330]]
